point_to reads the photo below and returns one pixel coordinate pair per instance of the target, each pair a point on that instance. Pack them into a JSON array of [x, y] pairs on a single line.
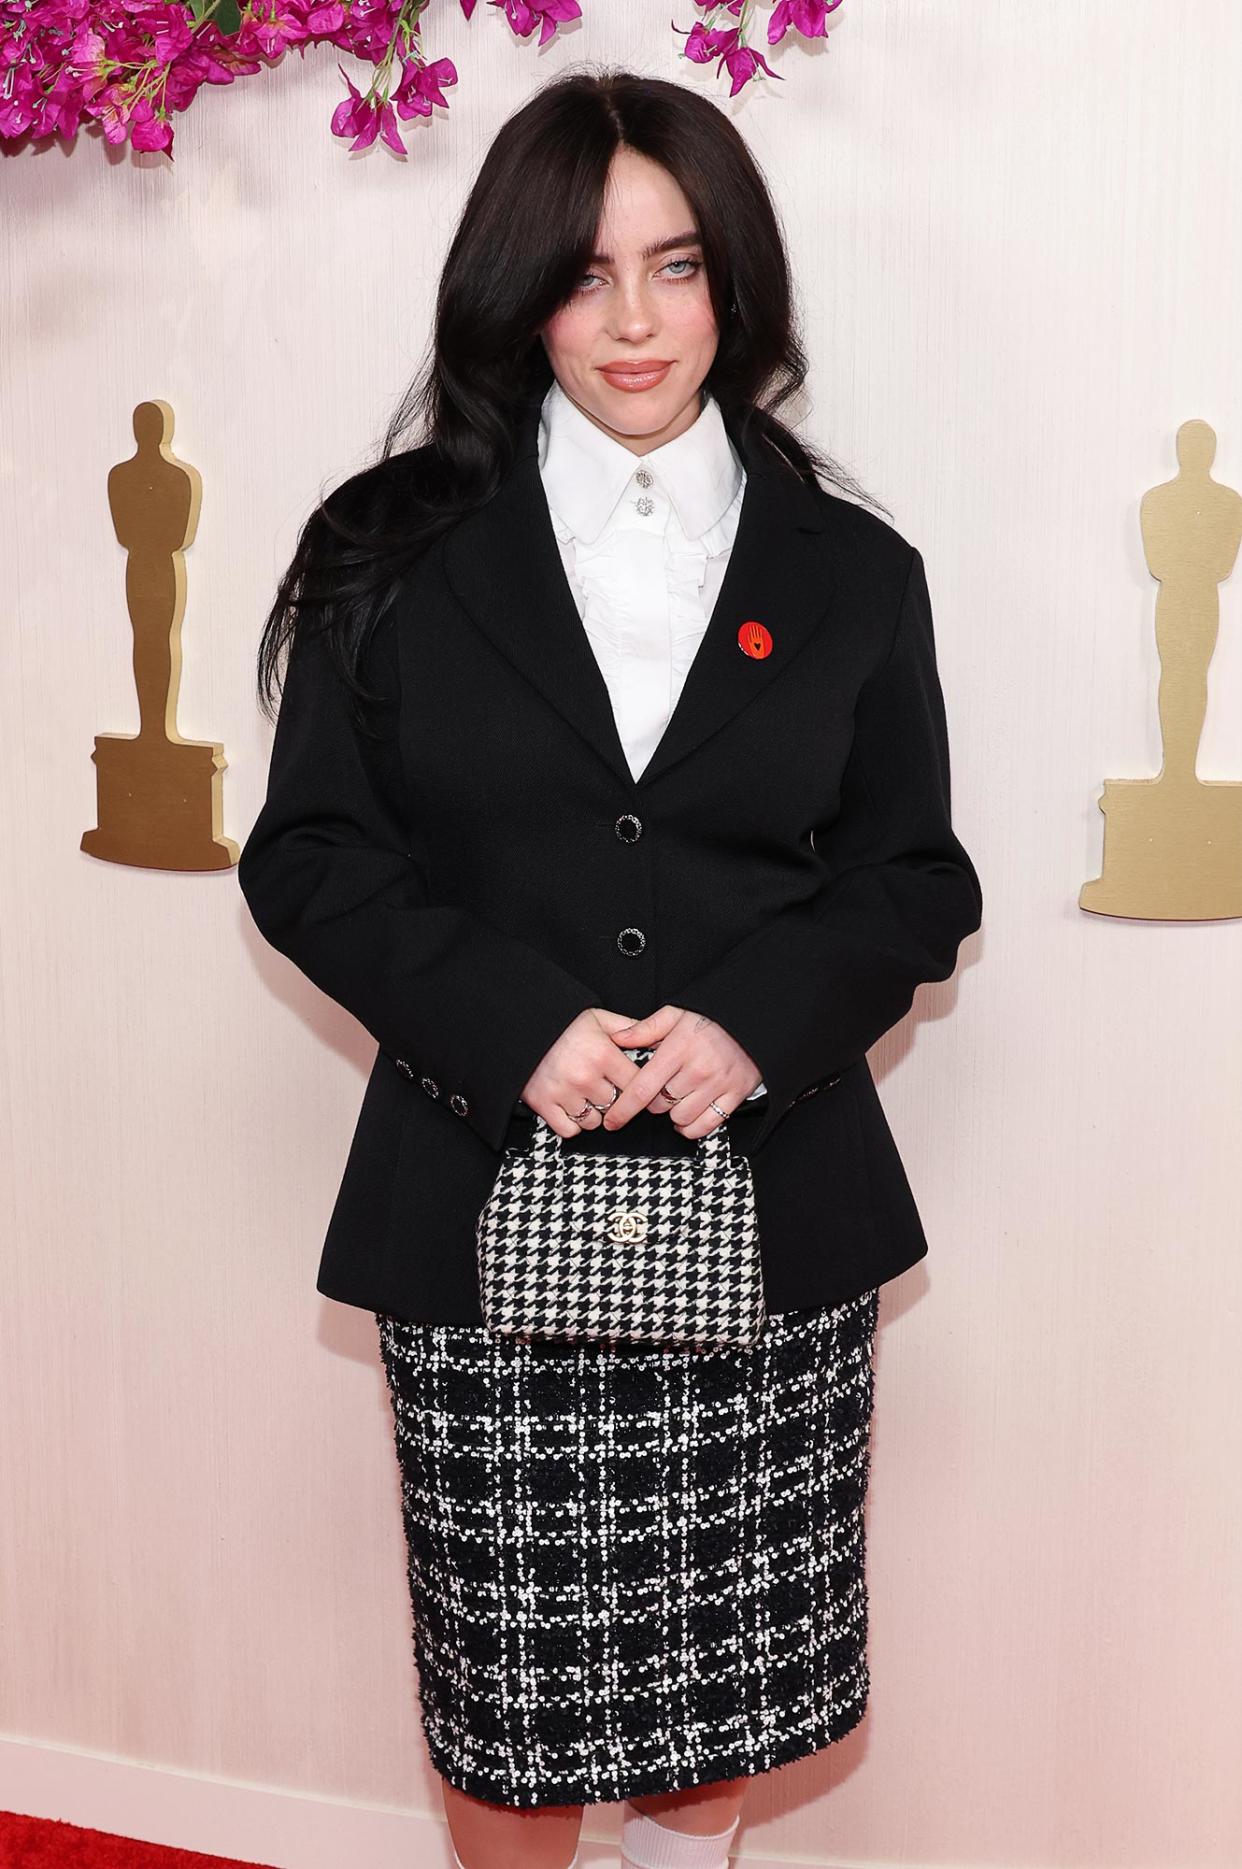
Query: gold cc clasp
[[627, 1223]]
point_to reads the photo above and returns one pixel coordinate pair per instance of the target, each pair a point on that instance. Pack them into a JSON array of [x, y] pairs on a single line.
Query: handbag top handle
[[547, 1143]]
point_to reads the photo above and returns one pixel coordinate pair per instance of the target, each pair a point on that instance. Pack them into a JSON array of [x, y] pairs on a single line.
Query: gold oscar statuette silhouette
[[158, 797], [1173, 844]]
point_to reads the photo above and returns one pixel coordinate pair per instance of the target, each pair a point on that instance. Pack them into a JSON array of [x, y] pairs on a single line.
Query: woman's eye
[[695, 266]]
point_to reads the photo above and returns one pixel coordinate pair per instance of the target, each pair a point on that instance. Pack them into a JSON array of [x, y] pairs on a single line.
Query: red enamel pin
[[754, 639]]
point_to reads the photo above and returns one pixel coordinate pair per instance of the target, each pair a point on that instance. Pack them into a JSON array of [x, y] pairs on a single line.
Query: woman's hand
[[584, 1065], [697, 1060]]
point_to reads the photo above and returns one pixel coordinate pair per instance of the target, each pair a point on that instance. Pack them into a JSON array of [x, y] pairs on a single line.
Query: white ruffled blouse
[[644, 540]]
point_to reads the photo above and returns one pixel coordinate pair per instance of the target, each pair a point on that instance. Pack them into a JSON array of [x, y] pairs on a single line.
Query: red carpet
[[38, 1843]]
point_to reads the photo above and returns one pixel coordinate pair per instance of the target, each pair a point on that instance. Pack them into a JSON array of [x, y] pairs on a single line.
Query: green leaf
[[226, 15]]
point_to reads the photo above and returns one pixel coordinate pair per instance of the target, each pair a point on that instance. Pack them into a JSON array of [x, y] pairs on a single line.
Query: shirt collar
[[585, 471]]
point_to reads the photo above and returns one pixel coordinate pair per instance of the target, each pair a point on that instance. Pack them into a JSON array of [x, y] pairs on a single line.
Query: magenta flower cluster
[[132, 68], [730, 45]]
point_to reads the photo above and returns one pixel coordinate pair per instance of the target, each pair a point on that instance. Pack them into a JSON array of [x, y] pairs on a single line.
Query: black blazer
[[785, 863]]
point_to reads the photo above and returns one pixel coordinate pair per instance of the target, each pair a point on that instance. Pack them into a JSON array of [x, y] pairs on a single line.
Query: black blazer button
[[458, 1102], [628, 828], [631, 940], [430, 1086], [403, 1066]]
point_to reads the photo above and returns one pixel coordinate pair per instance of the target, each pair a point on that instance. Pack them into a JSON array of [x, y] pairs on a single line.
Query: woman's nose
[[633, 314]]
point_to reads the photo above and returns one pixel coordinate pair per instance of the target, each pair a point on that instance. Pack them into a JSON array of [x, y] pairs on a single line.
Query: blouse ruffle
[[629, 580]]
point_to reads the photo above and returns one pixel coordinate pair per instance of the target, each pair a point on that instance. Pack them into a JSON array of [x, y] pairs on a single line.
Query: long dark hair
[[523, 242]]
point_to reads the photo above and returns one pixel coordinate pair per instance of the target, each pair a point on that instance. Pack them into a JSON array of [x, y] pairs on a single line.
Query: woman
[[611, 783]]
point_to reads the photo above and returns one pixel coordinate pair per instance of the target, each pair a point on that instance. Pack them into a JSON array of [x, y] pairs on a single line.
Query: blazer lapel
[[504, 565]]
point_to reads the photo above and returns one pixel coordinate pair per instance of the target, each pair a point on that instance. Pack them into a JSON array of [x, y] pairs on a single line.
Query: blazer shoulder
[[864, 532]]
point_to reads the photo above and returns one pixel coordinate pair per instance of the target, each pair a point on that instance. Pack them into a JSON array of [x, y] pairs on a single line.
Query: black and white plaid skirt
[[633, 1569]]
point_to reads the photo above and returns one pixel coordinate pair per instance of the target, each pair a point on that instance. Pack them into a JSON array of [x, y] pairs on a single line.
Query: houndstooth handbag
[[647, 1248]]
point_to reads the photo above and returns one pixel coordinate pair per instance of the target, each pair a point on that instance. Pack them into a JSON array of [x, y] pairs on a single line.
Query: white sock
[[646, 1844]]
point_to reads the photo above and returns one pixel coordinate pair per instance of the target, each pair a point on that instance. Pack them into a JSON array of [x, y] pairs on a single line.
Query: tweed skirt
[[632, 1568]]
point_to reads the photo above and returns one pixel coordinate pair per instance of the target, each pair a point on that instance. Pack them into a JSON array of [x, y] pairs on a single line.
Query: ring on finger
[[713, 1106]]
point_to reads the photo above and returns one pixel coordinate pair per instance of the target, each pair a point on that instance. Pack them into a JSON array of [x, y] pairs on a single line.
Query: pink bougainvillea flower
[[388, 127], [421, 87], [705, 43], [216, 62], [276, 26], [171, 35], [113, 108], [133, 68], [149, 128], [368, 28], [525, 15], [355, 116], [805, 16], [743, 62], [86, 62]]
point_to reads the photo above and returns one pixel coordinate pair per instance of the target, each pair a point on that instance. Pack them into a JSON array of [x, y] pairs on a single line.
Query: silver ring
[[717, 1108], [577, 1116], [616, 1092]]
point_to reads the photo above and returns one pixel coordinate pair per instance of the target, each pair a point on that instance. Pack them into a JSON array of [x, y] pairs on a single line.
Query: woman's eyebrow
[[690, 239]]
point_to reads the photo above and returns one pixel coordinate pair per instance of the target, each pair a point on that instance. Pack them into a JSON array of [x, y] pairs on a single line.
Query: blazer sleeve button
[[458, 1102], [402, 1065], [430, 1085]]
